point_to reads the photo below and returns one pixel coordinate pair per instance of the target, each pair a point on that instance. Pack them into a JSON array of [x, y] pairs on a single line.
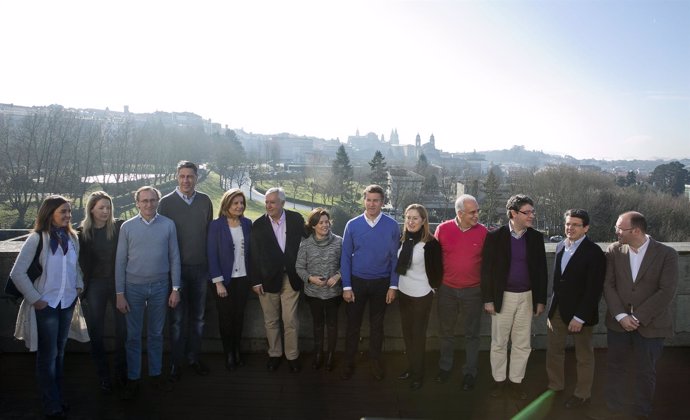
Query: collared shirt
[[513, 232], [150, 221], [372, 223], [187, 199], [636, 257], [568, 251], [279, 230], [61, 279], [457, 223]]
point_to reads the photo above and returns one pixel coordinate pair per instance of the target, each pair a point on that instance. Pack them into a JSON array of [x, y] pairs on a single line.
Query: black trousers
[[374, 292], [231, 313], [414, 317], [324, 312]]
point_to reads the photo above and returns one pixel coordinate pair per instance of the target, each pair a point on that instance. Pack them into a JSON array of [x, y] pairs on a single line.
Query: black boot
[[330, 361], [230, 362], [318, 348], [238, 356], [318, 359]]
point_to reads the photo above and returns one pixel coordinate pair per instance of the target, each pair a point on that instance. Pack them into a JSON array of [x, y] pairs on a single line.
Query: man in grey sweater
[[147, 260], [192, 211]]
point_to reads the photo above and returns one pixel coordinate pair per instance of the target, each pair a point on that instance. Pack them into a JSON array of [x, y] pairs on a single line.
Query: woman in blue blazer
[[228, 264]]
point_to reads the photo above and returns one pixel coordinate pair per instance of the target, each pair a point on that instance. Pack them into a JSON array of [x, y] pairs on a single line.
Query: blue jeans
[[152, 298], [98, 294], [451, 302], [53, 327], [187, 319]]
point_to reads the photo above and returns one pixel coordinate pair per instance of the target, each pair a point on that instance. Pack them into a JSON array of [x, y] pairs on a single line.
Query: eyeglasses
[[149, 201], [619, 229], [528, 212]]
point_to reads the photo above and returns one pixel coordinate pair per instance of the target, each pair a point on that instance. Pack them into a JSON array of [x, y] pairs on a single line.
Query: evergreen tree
[[341, 180], [379, 170], [491, 186], [670, 178]]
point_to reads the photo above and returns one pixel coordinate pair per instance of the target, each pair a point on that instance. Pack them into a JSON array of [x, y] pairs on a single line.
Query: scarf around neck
[[405, 257]]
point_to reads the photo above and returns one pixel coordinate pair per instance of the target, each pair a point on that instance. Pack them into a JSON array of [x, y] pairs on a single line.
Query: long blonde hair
[[87, 224], [426, 231]]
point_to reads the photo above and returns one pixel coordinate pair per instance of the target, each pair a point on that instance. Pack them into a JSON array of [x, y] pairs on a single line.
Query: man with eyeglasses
[[641, 280], [147, 266], [578, 279], [461, 242], [513, 284]]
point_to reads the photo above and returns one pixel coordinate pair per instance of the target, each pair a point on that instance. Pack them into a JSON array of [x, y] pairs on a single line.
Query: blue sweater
[[370, 253]]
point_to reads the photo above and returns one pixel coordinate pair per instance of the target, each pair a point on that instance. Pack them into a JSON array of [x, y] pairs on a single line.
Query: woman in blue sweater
[[228, 264]]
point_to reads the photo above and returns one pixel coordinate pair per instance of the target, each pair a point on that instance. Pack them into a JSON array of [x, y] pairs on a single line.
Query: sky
[[591, 79]]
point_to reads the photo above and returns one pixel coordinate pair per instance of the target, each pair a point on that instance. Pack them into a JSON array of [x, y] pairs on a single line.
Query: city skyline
[[608, 79]]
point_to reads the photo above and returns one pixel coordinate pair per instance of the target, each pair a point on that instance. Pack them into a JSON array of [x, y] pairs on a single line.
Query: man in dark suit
[[641, 280], [275, 240], [578, 279], [513, 283]]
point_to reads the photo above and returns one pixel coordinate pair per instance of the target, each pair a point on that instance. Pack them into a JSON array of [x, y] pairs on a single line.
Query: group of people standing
[[160, 263]]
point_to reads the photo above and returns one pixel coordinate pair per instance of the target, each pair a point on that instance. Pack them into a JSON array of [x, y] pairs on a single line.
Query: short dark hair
[[637, 220], [187, 164], [579, 213], [516, 202], [314, 218], [374, 189]]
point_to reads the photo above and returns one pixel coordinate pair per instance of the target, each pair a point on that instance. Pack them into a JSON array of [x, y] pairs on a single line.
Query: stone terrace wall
[[254, 333]]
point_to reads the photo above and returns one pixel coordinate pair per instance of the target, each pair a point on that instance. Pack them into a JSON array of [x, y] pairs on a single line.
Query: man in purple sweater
[[513, 284], [367, 266]]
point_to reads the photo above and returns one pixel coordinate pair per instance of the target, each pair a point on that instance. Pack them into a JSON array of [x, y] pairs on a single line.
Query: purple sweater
[[518, 274]]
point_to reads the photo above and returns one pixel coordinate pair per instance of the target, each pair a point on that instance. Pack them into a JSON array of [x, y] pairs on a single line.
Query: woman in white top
[[421, 270], [228, 264], [51, 297]]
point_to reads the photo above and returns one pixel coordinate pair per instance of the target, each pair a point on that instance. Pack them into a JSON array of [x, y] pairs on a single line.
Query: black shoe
[[58, 415], [131, 390], [377, 370], [199, 367], [160, 384], [519, 392], [273, 363], [443, 376], [575, 402], [318, 360], [415, 385], [404, 376], [497, 389], [106, 386], [239, 361], [330, 361], [347, 373], [468, 382], [230, 362], [294, 365], [175, 372], [65, 407]]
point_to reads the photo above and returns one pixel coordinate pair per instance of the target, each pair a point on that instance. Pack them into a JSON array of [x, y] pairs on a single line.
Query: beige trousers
[[273, 306], [514, 322], [555, 357]]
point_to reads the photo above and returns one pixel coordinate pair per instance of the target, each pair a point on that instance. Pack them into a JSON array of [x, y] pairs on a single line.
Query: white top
[[238, 268], [637, 257], [61, 279], [415, 282]]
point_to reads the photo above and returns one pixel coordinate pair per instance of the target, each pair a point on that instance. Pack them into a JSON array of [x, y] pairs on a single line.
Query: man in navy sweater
[[367, 266]]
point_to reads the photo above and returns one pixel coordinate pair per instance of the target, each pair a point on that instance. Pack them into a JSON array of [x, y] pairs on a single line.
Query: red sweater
[[462, 254]]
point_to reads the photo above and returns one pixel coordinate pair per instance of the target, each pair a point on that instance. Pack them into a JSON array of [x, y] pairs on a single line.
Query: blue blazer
[[221, 251]]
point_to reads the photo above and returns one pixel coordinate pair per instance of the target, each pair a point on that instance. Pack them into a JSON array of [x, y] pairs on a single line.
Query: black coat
[[577, 291], [269, 262], [496, 256]]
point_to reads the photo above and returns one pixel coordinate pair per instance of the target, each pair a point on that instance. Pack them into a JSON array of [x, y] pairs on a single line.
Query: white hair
[[279, 190], [460, 202]]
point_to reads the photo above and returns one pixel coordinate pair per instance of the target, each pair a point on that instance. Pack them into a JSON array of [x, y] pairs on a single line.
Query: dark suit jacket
[[220, 249], [577, 291], [651, 294], [496, 264], [268, 260]]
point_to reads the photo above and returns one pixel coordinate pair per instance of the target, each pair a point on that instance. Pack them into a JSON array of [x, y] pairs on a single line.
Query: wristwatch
[[176, 288]]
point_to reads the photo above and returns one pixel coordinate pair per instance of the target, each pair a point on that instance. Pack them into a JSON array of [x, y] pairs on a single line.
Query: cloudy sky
[[604, 79]]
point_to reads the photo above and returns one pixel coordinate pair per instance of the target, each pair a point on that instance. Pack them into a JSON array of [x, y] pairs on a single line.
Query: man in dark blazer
[[578, 279], [275, 240], [513, 283], [641, 280]]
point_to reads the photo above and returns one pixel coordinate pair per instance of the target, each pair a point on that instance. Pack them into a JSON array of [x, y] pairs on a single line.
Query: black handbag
[[35, 270]]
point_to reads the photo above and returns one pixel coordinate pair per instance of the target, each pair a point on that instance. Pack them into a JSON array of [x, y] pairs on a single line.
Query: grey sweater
[[191, 222], [320, 258], [146, 253]]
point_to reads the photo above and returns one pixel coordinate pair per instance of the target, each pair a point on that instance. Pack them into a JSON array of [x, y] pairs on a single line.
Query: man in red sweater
[[461, 242]]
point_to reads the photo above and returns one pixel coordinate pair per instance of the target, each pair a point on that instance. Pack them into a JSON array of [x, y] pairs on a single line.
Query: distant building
[[404, 187]]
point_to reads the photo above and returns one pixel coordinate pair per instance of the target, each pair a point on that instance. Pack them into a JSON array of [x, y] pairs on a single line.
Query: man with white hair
[[275, 240], [461, 239]]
